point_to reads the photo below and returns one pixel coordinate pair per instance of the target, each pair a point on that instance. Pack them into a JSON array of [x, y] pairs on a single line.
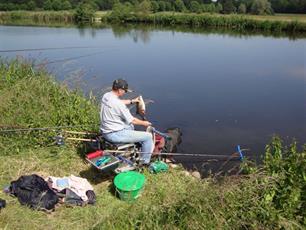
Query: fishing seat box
[[105, 144]]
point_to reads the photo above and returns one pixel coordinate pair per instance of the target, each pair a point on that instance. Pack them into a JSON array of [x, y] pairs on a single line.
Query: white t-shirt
[[114, 114]]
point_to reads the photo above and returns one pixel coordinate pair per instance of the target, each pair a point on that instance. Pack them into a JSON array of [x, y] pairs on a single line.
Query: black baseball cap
[[121, 84]]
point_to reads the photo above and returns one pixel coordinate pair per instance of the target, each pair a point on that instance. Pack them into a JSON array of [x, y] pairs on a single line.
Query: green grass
[[269, 197], [31, 98], [171, 200], [281, 17], [275, 17], [107, 212]]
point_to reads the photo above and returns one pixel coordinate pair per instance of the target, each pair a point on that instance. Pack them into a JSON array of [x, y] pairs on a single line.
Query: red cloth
[[159, 144]]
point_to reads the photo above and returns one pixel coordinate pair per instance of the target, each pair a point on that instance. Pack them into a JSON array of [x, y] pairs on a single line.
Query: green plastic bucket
[[129, 185]]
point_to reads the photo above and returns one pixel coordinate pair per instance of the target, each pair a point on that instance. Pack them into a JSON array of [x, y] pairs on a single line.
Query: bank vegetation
[[268, 196]]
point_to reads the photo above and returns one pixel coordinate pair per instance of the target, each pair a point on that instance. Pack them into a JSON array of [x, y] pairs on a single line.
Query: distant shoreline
[[275, 23]]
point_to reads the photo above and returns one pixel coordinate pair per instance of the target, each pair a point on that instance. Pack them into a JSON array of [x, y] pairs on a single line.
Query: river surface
[[221, 89]]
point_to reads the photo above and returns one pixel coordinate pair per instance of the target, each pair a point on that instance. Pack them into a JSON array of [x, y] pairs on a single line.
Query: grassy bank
[[269, 197], [277, 23], [233, 22], [37, 16], [30, 98], [281, 17]]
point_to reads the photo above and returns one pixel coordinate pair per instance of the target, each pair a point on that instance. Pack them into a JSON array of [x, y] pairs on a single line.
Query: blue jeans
[[129, 135]]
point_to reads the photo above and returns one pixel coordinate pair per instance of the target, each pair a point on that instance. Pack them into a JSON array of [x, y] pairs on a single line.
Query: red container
[[95, 154]]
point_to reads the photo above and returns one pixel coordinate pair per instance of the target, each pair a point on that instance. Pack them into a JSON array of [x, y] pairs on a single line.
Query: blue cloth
[[129, 135], [62, 182]]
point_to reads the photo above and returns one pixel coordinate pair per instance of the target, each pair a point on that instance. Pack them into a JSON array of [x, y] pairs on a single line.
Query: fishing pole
[[238, 154], [45, 128], [50, 48], [199, 154], [207, 160]]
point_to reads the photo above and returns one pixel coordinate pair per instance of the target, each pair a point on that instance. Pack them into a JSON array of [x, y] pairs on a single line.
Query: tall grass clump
[[31, 98], [288, 167]]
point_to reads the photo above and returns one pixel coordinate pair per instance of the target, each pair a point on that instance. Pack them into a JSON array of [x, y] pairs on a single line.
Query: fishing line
[[68, 59]]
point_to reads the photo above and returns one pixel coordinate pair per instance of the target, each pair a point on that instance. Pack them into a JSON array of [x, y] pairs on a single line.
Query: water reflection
[[142, 34]]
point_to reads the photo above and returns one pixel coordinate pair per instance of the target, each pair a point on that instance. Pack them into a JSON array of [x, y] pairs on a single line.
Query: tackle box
[[103, 161], [107, 162]]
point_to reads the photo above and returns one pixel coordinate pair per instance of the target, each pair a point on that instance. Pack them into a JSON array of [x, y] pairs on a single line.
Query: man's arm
[[127, 101], [137, 121]]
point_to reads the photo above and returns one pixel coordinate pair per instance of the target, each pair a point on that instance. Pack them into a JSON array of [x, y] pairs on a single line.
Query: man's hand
[[130, 101], [147, 123], [135, 100]]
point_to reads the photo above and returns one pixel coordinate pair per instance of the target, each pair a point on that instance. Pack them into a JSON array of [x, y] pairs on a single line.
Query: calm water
[[220, 89]]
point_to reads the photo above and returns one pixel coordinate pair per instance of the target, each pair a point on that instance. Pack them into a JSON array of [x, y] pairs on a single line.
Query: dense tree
[[179, 5], [144, 7], [222, 6], [195, 7], [219, 8], [84, 12], [47, 5], [289, 6], [57, 4], [261, 7], [105, 4], [162, 5], [169, 6], [211, 8], [242, 8], [228, 7], [31, 5], [155, 6], [66, 5]]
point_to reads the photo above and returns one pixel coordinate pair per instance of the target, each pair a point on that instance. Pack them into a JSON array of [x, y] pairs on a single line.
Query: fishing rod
[[49, 48], [239, 153], [45, 128]]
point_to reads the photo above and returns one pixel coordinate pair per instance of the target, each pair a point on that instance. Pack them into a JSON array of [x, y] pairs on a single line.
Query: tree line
[[196, 6]]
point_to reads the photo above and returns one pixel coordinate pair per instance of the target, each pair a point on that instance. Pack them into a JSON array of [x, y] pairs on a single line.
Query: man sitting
[[117, 123]]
